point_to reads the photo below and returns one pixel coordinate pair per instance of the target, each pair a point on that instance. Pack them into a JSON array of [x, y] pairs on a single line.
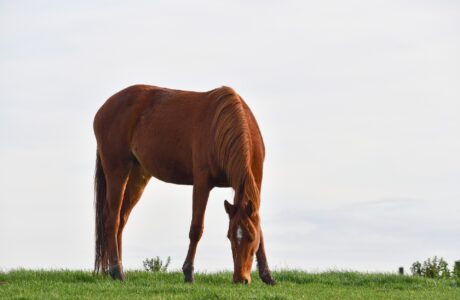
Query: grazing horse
[[205, 139]]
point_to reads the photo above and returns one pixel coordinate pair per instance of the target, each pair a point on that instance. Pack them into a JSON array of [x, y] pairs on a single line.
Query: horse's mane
[[233, 144]]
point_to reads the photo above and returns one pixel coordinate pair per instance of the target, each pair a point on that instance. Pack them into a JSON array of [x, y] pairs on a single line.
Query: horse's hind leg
[[117, 174], [138, 179], [200, 200]]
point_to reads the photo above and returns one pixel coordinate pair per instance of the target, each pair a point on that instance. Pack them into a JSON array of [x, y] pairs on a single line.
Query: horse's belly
[[167, 159], [169, 172], [166, 165], [163, 137]]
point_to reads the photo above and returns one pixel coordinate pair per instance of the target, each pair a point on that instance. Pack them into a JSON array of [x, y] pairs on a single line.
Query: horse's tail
[[233, 144], [101, 261]]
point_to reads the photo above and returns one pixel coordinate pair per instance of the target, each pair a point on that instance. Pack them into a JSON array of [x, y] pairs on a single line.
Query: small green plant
[[416, 268], [456, 272], [156, 264], [432, 268]]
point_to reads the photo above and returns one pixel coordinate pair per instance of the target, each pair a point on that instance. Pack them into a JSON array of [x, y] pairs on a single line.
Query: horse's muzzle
[[242, 279]]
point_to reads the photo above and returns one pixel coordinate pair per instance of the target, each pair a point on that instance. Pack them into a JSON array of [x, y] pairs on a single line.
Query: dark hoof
[[188, 278], [116, 273], [267, 278], [188, 273]]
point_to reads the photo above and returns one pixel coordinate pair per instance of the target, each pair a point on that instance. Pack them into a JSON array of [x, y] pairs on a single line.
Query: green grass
[[26, 284]]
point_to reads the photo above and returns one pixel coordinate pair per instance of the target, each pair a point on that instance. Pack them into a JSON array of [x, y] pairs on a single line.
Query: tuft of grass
[[156, 264], [65, 284]]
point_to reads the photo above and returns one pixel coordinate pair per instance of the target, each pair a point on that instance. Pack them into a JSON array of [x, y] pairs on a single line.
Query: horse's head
[[244, 236]]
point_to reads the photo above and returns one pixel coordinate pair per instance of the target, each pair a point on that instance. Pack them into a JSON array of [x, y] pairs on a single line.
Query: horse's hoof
[[269, 281], [116, 273], [188, 279], [267, 278], [188, 273]]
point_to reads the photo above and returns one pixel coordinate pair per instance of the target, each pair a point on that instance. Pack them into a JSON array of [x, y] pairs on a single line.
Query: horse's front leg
[[262, 264], [200, 199]]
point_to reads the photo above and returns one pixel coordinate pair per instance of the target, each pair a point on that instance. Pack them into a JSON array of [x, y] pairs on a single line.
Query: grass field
[[25, 284]]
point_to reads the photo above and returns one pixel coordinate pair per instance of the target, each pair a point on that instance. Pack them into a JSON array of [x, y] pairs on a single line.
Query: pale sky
[[358, 103]]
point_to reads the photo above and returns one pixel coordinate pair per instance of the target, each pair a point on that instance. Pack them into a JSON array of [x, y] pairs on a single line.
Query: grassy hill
[[26, 284]]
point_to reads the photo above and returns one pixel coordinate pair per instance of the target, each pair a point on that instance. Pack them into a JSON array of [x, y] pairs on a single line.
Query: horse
[[205, 139]]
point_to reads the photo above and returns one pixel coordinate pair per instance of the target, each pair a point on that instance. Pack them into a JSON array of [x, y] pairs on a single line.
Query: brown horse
[[209, 139]]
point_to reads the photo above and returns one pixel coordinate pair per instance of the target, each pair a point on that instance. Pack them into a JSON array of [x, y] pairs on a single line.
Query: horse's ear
[[229, 208], [249, 208]]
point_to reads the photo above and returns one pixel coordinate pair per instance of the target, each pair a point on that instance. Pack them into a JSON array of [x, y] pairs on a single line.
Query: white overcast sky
[[358, 103]]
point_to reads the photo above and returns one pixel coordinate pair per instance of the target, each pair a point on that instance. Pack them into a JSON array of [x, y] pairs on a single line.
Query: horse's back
[[140, 104]]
